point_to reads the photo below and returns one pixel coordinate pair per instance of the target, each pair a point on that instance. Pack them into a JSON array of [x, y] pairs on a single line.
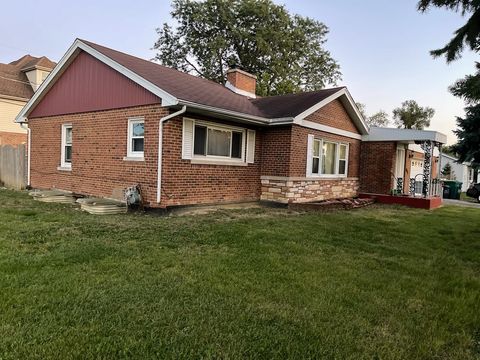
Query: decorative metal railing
[[417, 186]]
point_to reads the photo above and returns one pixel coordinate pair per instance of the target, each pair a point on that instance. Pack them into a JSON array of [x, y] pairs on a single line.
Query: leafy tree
[[362, 109], [378, 119], [468, 133], [285, 51], [412, 116], [468, 34]]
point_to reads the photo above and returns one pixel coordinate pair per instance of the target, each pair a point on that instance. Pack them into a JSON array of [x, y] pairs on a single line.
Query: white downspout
[[160, 149], [29, 145]]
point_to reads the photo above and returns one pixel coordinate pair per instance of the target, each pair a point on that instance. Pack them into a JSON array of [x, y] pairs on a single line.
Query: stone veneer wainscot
[[301, 189]]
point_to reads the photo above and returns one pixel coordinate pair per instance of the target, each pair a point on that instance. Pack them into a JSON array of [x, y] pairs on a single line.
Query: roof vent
[[241, 82]]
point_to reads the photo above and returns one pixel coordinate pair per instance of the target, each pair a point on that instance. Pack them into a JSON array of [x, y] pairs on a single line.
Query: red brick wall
[[184, 183], [11, 138], [98, 168], [99, 145], [284, 151], [334, 115], [377, 166], [298, 158], [276, 148]]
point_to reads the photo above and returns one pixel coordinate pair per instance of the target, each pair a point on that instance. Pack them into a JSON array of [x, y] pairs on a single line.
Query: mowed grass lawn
[[374, 283]]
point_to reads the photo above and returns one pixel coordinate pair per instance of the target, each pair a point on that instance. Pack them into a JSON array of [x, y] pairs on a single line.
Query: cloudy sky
[[382, 46]]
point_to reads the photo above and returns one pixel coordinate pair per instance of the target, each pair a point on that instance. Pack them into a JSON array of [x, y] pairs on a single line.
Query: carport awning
[[408, 136]]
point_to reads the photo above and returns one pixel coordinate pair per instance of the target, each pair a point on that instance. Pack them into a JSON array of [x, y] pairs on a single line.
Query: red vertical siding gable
[[90, 85]]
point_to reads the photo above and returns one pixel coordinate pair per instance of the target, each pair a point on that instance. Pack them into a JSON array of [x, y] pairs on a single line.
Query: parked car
[[474, 191]]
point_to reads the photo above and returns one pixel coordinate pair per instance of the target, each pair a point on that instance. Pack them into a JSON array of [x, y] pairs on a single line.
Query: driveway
[[461, 203]]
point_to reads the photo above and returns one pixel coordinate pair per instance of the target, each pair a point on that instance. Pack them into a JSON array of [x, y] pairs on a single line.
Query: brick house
[[18, 81], [106, 120]]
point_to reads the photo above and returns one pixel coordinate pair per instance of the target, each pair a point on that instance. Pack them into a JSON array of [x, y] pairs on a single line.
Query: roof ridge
[[299, 93]]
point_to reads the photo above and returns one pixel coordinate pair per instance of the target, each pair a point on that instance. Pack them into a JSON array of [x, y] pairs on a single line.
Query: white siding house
[[460, 172]]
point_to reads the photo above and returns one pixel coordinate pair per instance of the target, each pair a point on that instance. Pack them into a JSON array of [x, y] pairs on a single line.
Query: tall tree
[[378, 119], [285, 51], [412, 116], [468, 88], [468, 133], [468, 34], [468, 128]]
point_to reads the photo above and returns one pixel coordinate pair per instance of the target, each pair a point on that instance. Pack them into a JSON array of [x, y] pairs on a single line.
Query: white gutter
[[29, 145], [160, 149]]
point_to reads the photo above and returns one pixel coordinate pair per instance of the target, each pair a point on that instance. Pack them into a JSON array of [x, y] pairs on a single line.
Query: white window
[[342, 159], [328, 158], [216, 143], [212, 141], [136, 137], [66, 151]]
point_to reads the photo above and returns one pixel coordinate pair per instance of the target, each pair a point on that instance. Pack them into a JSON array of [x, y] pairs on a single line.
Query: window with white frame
[[136, 137], [66, 151], [215, 141], [328, 158]]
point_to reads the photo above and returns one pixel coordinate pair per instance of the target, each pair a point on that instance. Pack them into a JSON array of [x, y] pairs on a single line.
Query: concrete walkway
[[461, 203]]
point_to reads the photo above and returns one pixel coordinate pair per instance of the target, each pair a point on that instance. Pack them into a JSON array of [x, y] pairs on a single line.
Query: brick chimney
[[241, 82]]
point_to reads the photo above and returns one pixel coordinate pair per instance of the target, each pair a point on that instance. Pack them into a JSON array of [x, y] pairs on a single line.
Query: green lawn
[[374, 283]]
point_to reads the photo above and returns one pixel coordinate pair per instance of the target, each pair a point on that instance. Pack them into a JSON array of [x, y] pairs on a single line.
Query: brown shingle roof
[[41, 62], [194, 89], [292, 104], [14, 82]]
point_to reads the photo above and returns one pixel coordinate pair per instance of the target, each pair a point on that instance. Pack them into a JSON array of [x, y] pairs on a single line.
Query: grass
[[464, 197], [374, 283]]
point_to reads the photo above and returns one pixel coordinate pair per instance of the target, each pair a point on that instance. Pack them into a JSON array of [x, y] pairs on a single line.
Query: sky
[[382, 46]]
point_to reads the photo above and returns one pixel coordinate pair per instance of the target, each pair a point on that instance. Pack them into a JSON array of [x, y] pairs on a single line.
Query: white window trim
[[337, 162], [64, 165], [224, 160], [134, 155]]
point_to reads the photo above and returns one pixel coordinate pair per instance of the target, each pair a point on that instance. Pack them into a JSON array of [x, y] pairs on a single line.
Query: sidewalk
[[461, 203]]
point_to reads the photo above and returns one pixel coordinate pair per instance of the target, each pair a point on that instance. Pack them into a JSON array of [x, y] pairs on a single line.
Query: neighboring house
[[105, 120], [462, 172], [18, 81]]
